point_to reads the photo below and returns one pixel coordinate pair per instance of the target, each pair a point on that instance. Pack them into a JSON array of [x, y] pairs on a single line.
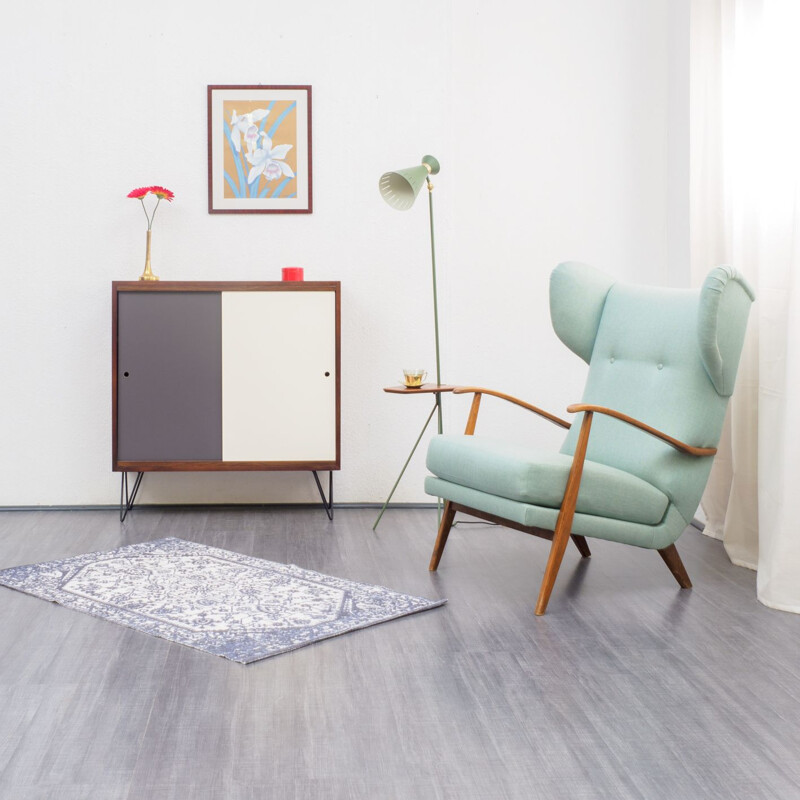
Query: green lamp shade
[[400, 188]]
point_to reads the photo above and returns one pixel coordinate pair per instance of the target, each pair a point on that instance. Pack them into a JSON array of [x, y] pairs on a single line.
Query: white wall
[[556, 127]]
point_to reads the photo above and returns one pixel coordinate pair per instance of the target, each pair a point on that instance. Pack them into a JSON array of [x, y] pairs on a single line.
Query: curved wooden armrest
[[678, 445], [477, 390]]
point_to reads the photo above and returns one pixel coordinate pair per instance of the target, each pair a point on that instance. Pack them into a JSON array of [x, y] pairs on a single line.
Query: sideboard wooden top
[[225, 286]]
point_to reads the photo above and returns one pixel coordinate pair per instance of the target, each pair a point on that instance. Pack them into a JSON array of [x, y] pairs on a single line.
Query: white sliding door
[[279, 376]]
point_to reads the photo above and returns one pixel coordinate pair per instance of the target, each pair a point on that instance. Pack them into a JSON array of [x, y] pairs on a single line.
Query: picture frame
[[259, 150]]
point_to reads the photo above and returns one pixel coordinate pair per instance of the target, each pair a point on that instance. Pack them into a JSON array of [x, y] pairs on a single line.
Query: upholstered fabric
[[537, 477], [633, 533], [577, 296], [646, 363], [667, 357], [724, 301]]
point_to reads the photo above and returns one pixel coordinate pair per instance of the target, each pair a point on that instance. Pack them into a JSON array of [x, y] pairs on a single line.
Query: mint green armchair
[[633, 466]]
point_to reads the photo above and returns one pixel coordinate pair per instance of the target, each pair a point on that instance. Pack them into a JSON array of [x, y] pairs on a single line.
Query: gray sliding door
[[169, 379]]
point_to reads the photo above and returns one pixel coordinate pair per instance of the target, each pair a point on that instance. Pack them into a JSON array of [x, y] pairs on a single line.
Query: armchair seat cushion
[[539, 478]]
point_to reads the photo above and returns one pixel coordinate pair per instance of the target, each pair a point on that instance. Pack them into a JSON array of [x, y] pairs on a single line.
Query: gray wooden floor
[[627, 688]]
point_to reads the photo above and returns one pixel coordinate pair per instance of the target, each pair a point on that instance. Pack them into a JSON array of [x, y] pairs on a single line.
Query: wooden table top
[[426, 388]]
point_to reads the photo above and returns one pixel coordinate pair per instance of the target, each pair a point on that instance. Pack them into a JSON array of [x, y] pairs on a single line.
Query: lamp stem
[[435, 308]]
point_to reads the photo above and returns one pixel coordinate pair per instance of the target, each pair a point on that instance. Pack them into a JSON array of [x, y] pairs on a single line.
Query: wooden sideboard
[[225, 376]]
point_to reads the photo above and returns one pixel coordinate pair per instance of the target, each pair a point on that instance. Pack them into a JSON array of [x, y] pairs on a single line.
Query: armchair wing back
[[635, 461], [665, 356]]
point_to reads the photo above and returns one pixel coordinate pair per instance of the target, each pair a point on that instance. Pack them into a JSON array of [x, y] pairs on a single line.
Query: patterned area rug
[[231, 605]]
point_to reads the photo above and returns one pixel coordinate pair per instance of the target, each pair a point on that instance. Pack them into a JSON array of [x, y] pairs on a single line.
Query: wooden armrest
[[477, 390], [678, 445]]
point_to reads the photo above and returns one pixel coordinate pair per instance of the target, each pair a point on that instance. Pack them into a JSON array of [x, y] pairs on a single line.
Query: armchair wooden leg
[[581, 544], [444, 531], [561, 534], [560, 540], [673, 561]]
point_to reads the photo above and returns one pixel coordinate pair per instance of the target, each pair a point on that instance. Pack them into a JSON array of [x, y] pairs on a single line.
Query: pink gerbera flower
[[159, 191], [162, 193]]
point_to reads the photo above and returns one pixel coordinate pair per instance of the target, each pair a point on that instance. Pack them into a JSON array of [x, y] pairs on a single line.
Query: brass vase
[[147, 275]]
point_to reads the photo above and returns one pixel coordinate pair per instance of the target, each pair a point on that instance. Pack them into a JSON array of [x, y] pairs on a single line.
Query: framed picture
[[259, 150]]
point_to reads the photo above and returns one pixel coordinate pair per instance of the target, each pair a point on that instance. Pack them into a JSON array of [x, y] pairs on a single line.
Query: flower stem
[[150, 217], [154, 212], [144, 208]]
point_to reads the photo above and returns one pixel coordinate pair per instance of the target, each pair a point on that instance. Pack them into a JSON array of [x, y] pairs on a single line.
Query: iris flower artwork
[[259, 149]]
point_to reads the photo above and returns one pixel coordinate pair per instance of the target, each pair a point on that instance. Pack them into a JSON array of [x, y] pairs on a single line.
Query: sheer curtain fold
[[745, 211]]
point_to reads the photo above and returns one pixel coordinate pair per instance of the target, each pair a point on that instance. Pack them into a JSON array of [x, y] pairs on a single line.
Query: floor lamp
[[400, 189]]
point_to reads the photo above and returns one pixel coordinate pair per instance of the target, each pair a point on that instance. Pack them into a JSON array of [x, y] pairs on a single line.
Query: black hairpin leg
[[326, 504], [126, 500]]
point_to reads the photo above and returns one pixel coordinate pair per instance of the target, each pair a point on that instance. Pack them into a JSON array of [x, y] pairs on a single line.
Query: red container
[[292, 274]]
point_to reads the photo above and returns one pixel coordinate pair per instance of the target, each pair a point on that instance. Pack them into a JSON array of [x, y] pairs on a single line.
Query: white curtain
[[745, 211]]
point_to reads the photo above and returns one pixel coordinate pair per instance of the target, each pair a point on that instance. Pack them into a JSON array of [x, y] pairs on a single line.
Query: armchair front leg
[[563, 528], [472, 420], [441, 539]]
